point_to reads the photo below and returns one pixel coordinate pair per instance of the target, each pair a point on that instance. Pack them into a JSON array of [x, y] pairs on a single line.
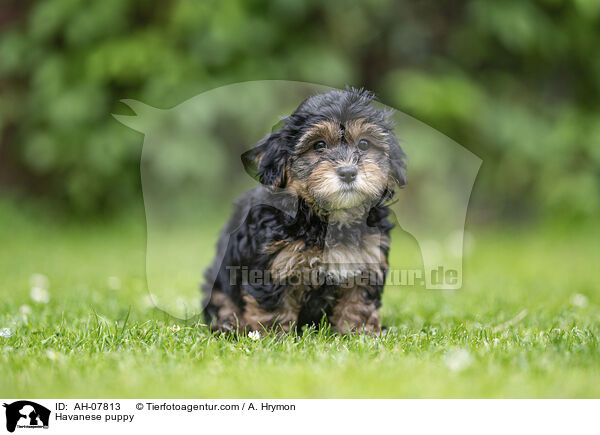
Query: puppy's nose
[[347, 173]]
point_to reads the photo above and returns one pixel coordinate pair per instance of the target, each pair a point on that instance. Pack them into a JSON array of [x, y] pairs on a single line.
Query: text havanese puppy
[[311, 243]]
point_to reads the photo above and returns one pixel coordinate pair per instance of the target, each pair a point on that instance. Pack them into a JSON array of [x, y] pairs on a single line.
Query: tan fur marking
[[353, 313], [293, 258], [362, 129], [323, 181], [297, 187], [375, 178], [338, 259], [324, 130], [285, 317], [228, 315]]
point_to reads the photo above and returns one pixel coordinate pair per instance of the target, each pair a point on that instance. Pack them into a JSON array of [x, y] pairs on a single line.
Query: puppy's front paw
[[355, 314]]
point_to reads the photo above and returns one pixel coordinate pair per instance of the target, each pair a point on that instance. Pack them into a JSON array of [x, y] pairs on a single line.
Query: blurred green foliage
[[515, 82]]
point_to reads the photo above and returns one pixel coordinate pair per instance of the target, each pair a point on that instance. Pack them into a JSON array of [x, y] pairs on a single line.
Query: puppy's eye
[[364, 144], [319, 145]]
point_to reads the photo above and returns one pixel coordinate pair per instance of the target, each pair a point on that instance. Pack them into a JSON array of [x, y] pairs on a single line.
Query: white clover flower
[[458, 360], [114, 282], [578, 300], [40, 295], [5, 333], [254, 335], [175, 328], [52, 355], [25, 310]]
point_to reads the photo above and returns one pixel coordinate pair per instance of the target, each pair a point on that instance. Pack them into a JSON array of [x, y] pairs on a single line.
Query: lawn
[[525, 324]]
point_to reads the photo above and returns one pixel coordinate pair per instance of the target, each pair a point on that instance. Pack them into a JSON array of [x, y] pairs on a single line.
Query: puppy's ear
[[267, 161], [398, 165]]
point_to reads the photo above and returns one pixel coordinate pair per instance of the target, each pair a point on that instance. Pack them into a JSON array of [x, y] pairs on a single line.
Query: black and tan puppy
[[312, 242]]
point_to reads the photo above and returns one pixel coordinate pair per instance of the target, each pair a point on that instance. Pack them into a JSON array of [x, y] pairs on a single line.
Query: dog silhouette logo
[[192, 150], [26, 414]]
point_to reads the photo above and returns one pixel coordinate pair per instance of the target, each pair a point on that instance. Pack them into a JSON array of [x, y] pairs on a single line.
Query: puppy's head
[[336, 151]]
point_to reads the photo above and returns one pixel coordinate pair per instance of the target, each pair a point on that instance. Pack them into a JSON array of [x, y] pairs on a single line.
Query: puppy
[[311, 243]]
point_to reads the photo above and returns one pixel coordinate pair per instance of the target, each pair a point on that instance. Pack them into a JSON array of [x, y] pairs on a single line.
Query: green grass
[[525, 324]]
